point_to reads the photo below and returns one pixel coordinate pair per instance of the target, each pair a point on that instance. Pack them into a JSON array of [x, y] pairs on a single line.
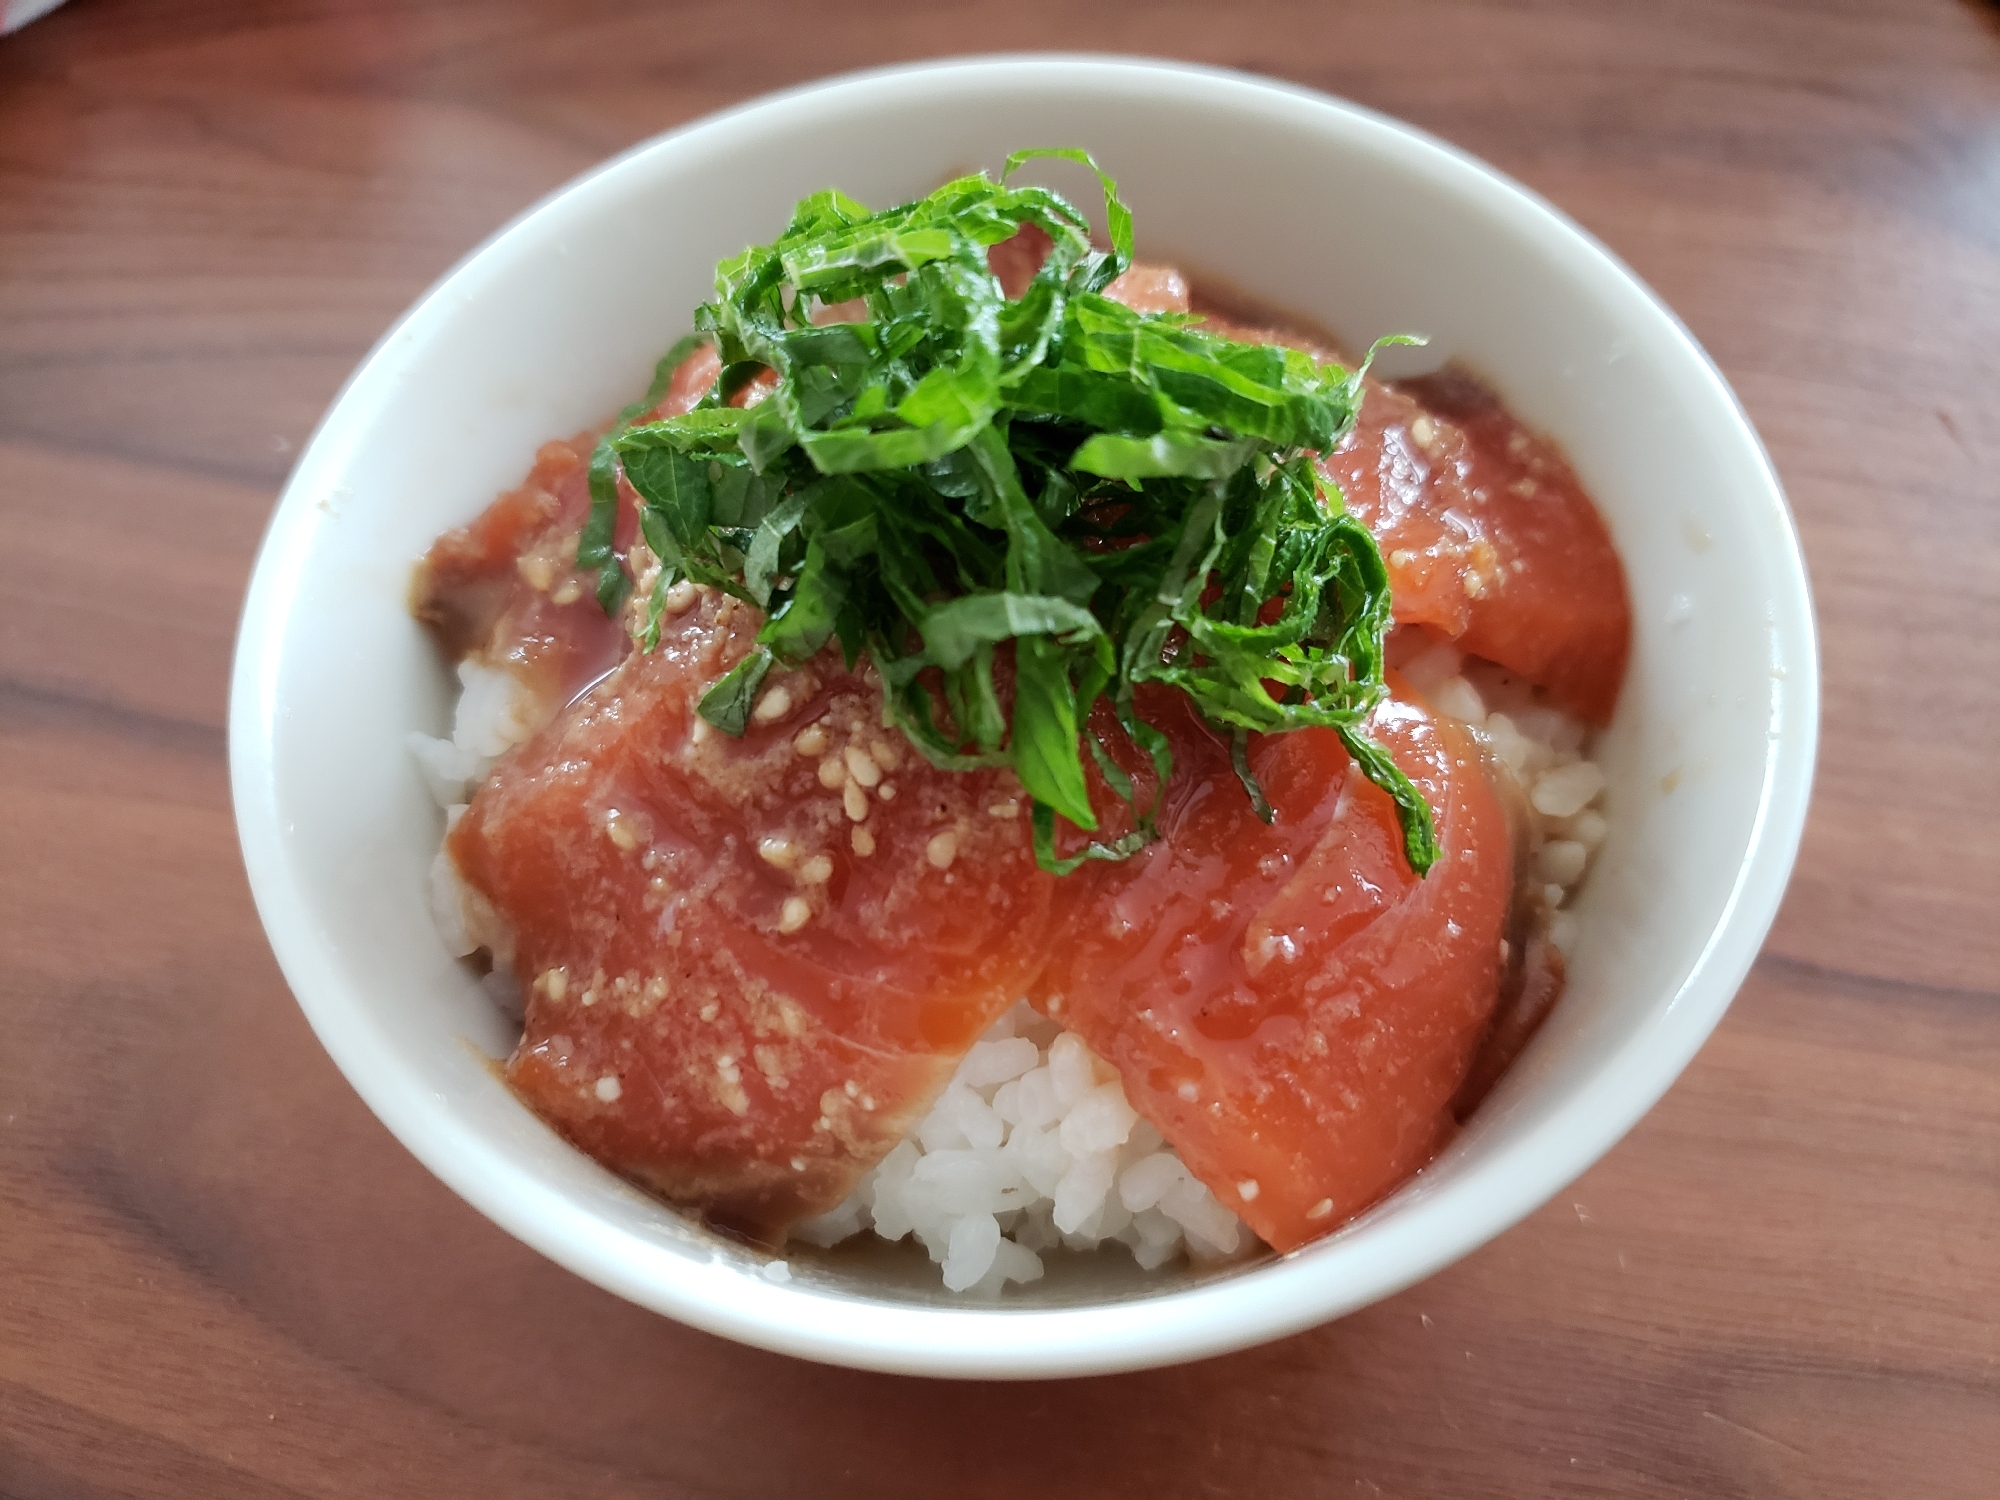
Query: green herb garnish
[[1119, 497]]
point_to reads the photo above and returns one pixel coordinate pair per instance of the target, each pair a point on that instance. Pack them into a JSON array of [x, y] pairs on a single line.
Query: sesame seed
[[1320, 1209], [555, 983], [1188, 1091], [772, 705], [861, 766], [570, 590], [852, 1089], [1007, 809], [816, 871], [782, 853], [619, 828], [608, 1088], [1247, 1189], [1402, 557], [798, 1164], [681, 598], [699, 732], [794, 914], [885, 754], [942, 849], [886, 791], [855, 801], [810, 741], [832, 774], [862, 841], [711, 1010], [1424, 430]]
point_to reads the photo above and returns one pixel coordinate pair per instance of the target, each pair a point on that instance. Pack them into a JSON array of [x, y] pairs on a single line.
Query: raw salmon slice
[[1489, 536], [751, 965], [1289, 1005]]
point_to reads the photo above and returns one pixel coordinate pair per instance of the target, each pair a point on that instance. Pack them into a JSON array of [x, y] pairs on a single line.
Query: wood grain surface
[[219, 1276]]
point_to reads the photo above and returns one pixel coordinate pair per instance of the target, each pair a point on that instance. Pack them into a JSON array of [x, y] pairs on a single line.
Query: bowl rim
[[1267, 1301]]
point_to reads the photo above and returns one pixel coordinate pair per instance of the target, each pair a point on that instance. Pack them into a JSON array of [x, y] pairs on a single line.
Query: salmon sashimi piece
[[1490, 538], [1289, 1005], [1552, 605], [505, 590], [750, 964]]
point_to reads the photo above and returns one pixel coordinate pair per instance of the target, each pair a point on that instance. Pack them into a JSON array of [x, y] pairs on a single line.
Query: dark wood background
[[220, 1277]]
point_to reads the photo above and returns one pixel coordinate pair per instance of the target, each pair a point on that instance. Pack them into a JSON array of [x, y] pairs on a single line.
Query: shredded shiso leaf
[[1116, 497]]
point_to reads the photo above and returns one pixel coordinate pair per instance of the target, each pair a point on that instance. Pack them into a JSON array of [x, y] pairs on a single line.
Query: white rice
[[1033, 1146], [495, 712], [1543, 748]]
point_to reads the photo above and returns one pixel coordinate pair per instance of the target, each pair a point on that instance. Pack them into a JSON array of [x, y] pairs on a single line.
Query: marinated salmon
[[1489, 536], [505, 590], [1289, 1005], [752, 963]]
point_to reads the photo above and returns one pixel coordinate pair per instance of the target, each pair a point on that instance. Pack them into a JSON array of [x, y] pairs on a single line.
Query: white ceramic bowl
[[1309, 204]]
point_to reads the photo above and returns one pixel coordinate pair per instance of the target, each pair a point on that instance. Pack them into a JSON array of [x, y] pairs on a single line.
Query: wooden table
[[220, 1277]]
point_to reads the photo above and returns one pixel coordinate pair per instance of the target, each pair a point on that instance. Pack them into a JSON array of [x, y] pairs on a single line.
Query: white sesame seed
[[1247, 1189], [699, 732], [772, 705], [608, 1088], [1402, 557], [885, 754], [555, 983], [1424, 430], [1188, 1091], [798, 1164], [886, 791], [942, 849], [862, 841], [832, 774], [1320, 1209], [711, 1010], [681, 597], [1008, 809], [855, 801], [621, 831], [568, 592], [794, 914], [810, 741], [861, 766], [782, 853], [816, 871]]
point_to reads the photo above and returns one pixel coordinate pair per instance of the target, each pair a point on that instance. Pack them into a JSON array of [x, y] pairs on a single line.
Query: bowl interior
[[1300, 202]]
